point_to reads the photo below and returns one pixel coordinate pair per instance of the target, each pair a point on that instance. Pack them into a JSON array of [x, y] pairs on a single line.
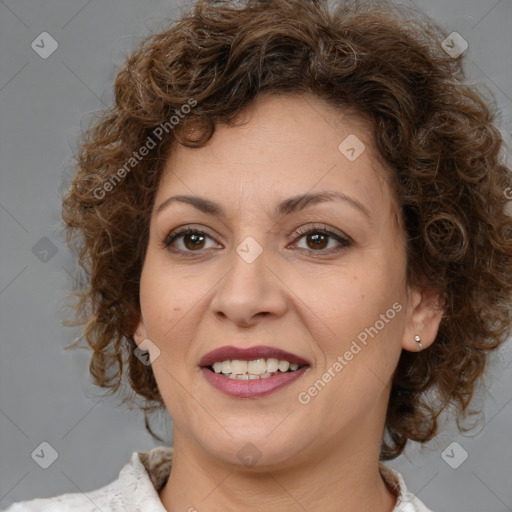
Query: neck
[[333, 475]]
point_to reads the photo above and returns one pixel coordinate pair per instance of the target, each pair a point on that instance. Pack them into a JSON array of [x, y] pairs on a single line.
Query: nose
[[250, 291]]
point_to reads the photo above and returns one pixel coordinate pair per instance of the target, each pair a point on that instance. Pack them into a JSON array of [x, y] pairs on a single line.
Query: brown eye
[[318, 239], [192, 240]]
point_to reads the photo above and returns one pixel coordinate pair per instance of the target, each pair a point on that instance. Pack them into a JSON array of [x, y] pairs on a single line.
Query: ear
[[425, 315], [140, 333]]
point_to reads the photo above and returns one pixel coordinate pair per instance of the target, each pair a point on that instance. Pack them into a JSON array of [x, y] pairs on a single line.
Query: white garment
[[136, 489]]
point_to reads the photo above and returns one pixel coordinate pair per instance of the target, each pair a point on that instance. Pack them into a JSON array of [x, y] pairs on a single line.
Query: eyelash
[[299, 233]]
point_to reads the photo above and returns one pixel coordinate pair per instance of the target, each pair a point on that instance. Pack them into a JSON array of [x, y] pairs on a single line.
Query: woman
[[293, 223]]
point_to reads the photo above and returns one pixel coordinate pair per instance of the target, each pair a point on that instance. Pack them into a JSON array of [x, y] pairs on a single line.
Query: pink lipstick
[[250, 385]]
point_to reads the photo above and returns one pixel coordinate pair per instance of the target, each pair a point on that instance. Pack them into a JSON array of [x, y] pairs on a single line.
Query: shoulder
[[136, 488], [406, 500], [99, 500]]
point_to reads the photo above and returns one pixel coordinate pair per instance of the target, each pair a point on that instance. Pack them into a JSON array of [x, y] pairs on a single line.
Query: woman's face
[[254, 277]]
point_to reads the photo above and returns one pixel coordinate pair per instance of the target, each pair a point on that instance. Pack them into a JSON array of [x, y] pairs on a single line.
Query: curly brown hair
[[432, 130]]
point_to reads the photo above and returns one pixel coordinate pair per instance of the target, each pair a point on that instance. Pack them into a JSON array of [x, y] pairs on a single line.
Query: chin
[[252, 448]]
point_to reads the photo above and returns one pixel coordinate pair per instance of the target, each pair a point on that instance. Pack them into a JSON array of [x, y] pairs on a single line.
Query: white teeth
[[255, 369], [226, 366], [283, 366], [239, 367], [272, 364], [238, 377]]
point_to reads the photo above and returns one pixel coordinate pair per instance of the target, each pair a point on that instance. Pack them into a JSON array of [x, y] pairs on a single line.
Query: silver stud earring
[[417, 339]]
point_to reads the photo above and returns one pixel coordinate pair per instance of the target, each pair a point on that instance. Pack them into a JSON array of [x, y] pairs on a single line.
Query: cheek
[[166, 303], [165, 297], [353, 298], [356, 313]]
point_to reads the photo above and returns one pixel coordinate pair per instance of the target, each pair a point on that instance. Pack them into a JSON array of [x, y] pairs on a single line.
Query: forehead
[[281, 145]]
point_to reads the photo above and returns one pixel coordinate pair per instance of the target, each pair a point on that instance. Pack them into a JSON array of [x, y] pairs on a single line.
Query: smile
[[255, 369]]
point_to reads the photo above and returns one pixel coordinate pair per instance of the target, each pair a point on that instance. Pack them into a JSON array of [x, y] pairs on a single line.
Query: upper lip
[[249, 354]]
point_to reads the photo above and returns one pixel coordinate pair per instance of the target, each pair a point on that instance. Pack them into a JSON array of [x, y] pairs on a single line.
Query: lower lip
[[251, 388]]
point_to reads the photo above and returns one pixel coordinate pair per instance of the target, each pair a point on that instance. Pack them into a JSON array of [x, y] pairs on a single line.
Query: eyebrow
[[285, 207]]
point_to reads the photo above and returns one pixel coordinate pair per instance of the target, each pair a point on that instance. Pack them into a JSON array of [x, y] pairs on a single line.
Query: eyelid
[[343, 240], [304, 230], [183, 230]]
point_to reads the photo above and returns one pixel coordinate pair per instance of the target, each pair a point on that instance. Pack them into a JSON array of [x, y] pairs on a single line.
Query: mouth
[[254, 369], [257, 360], [264, 369]]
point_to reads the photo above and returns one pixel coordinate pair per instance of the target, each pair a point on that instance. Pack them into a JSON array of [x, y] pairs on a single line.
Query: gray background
[[46, 395]]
